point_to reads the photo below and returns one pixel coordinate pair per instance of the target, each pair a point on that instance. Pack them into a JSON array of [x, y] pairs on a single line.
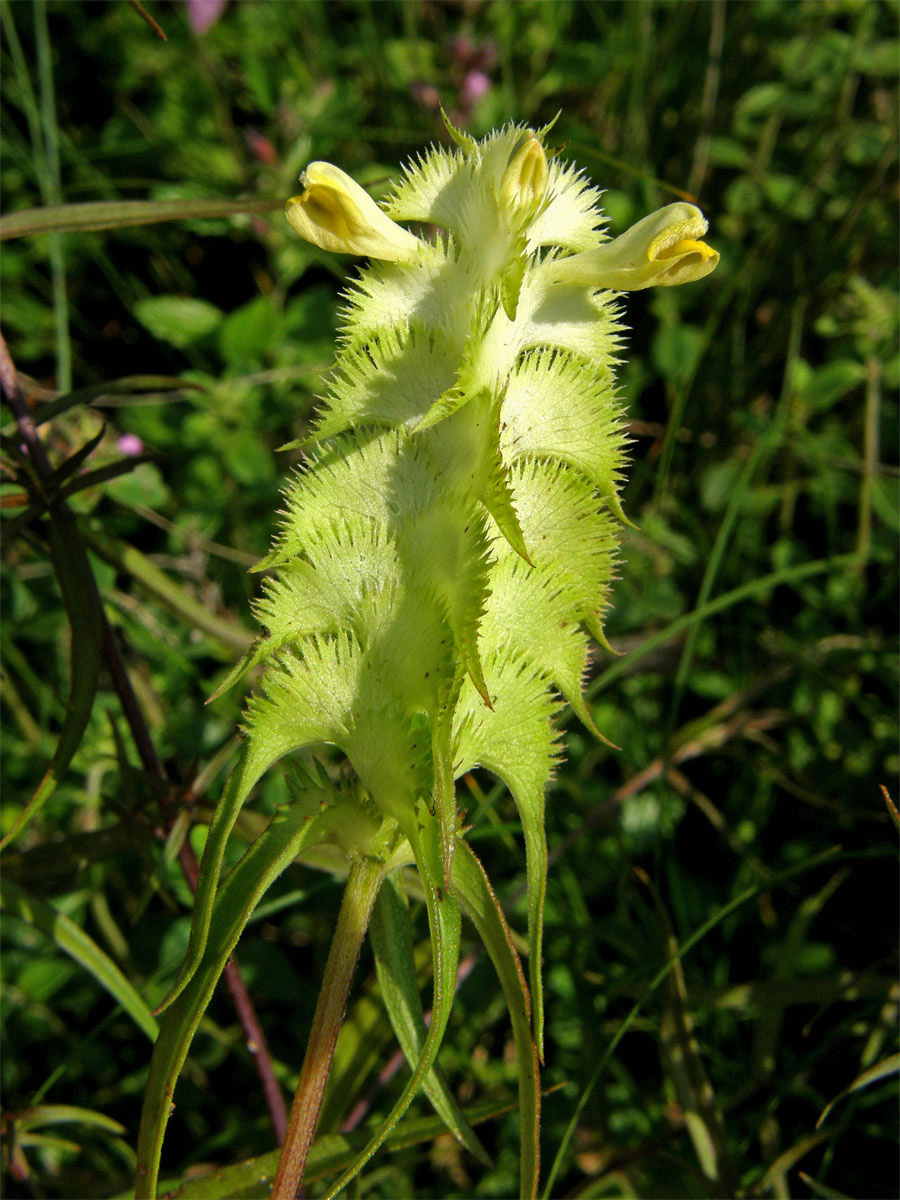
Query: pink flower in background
[[260, 147], [461, 48], [130, 444], [426, 94], [203, 14], [480, 55], [474, 86]]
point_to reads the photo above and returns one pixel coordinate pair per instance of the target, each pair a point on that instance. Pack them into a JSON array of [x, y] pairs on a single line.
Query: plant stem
[[870, 458], [50, 151], [253, 1031], [356, 908]]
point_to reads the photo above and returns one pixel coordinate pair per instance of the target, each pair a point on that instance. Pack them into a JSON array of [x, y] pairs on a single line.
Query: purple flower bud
[[203, 14], [461, 48], [427, 95], [130, 444], [474, 86]]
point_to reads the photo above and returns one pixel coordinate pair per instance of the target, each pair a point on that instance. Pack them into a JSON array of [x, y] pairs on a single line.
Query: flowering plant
[[444, 559]]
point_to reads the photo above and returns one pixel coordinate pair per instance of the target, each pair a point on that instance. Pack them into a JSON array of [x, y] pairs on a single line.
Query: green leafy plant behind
[[444, 559]]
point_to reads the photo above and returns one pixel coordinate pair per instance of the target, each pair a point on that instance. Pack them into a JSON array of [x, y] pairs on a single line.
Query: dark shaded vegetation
[[755, 707]]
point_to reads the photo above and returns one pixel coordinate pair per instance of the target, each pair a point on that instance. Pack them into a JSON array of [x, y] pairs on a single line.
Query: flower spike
[[661, 250], [334, 212]]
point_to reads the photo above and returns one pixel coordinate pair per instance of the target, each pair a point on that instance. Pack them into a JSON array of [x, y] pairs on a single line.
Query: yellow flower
[[334, 212], [525, 178], [661, 250]]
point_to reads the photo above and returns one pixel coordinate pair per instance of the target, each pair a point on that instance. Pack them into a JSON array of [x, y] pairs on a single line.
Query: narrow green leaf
[[133, 386], [253, 761], [681, 1057], [123, 214], [516, 741], [480, 903], [821, 1189], [273, 850], [60, 1114], [776, 1172], [72, 940], [880, 1070], [394, 963], [113, 470], [68, 468], [84, 612], [443, 920], [46, 1141], [158, 584]]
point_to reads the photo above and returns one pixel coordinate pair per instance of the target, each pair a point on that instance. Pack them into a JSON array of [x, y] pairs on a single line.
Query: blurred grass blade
[[783, 968], [821, 1189], [480, 903], [51, 192], [113, 470], [274, 849], [129, 385], [444, 924], [157, 583], [123, 214], [881, 1070], [789, 575], [392, 944], [83, 609], [683, 1064], [72, 940], [817, 860], [775, 1175], [46, 1141], [60, 1114]]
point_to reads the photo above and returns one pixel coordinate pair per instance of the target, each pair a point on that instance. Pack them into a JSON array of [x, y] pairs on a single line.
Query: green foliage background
[[754, 708]]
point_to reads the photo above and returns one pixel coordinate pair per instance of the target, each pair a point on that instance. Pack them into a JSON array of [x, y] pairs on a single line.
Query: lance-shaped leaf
[[392, 944], [288, 833], [516, 741], [72, 940], [480, 903], [253, 761], [85, 616]]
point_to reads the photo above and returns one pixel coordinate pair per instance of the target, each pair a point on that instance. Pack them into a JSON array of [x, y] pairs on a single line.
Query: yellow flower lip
[[686, 246], [335, 213], [662, 250]]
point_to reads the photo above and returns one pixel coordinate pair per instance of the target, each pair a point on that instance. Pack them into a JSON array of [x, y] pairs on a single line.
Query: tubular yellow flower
[[334, 212], [525, 178], [661, 250]]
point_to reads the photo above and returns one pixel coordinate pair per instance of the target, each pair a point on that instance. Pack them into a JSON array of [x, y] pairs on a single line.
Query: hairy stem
[[362, 888]]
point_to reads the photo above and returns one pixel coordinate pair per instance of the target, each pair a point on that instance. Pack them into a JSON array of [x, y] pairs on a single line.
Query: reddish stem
[[362, 888]]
